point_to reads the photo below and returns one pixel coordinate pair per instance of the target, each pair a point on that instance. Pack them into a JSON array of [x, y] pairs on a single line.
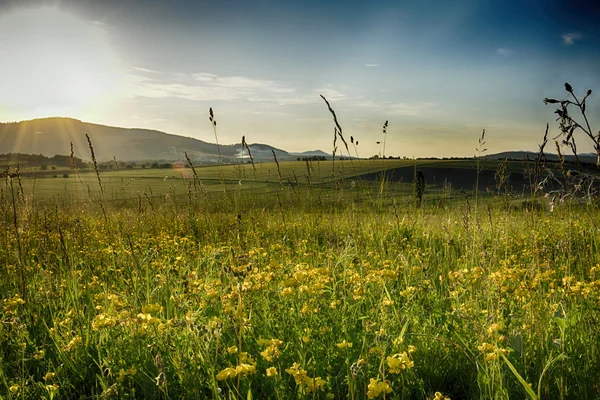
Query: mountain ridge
[[54, 135]]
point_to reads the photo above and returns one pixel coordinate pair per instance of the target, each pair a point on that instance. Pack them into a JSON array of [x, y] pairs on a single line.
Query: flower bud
[[568, 87]]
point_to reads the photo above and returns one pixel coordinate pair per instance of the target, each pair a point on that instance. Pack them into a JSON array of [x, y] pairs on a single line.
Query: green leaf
[[525, 385], [562, 324]]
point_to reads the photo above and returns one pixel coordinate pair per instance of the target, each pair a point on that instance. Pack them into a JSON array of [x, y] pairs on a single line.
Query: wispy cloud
[[571, 38], [204, 86], [397, 109], [371, 65], [406, 109], [503, 51], [274, 113], [210, 87], [146, 70], [331, 93], [101, 25]]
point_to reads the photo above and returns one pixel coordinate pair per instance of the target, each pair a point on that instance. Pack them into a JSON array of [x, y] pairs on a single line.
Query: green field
[[296, 281]]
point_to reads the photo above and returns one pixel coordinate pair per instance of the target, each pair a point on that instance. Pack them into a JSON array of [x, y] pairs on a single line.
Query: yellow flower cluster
[[301, 378], [399, 362], [49, 376], [102, 321], [123, 374], [242, 369], [152, 308], [376, 388], [491, 352], [72, 343], [272, 348], [147, 319], [344, 344]]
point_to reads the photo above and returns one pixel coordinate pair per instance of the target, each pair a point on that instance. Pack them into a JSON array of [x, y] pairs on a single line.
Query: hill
[[522, 155], [50, 136]]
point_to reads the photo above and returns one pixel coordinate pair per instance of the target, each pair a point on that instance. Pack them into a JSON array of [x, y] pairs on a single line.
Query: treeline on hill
[[39, 160], [60, 161]]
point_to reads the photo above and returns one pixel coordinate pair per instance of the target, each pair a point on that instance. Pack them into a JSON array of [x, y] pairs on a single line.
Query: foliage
[[314, 292]]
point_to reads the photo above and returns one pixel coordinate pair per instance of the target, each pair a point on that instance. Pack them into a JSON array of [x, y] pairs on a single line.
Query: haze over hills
[[50, 136]]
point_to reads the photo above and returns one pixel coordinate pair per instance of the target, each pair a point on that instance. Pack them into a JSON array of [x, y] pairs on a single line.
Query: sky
[[438, 71]]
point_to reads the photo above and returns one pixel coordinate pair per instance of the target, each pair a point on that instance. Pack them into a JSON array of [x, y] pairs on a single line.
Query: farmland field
[[296, 280]]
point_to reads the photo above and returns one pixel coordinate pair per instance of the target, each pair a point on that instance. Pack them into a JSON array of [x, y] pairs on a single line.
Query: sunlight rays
[[60, 64]]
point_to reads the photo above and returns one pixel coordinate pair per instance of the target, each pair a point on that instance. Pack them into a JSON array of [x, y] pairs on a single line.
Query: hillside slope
[[50, 136]]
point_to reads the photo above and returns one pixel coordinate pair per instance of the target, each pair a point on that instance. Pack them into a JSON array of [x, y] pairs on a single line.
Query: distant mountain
[[522, 155], [311, 153], [50, 136]]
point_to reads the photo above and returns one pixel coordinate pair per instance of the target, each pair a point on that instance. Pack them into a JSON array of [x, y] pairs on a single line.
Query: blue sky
[[439, 71]]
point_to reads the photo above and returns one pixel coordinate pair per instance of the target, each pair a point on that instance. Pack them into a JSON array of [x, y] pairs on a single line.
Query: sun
[[54, 63]]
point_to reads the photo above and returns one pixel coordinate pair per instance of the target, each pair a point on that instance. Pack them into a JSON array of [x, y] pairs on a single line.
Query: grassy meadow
[[297, 280]]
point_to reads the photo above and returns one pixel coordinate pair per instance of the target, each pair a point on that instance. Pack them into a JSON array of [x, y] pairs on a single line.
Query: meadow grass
[[290, 283]]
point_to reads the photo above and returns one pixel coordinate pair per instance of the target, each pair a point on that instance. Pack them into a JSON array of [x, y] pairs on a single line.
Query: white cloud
[[210, 87], [202, 76], [140, 69], [101, 25], [369, 104], [276, 113], [397, 109], [409, 109], [371, 65], [330, 93], [571, 38], [503, 51]]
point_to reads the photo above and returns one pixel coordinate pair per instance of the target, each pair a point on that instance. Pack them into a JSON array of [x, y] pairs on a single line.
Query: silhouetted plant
[[501, 175], [418, 187], [574, 184], [568, 125], [480, 151]]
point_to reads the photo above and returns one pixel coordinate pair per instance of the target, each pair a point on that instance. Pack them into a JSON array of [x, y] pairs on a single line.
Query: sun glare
[[54, 63]]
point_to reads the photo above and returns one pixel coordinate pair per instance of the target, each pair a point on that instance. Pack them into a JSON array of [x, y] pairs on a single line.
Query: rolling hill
[[50, 136], [522, 155]]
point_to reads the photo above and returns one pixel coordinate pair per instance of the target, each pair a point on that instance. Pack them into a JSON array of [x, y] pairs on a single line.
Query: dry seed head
[[550, 101], [568, 87]]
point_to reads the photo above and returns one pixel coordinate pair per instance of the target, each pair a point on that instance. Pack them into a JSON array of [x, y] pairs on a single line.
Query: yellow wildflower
[[399, 362], [377, 388], [52, 388], [245, 369], [152, 308], [272, 371], [226, 374], [38, 355], [49, 376], [314, 384]]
